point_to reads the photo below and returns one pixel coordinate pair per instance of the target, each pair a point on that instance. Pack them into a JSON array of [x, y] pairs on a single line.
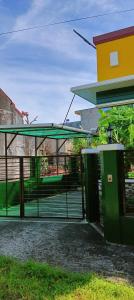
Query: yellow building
[[115, 54], [115, 70]]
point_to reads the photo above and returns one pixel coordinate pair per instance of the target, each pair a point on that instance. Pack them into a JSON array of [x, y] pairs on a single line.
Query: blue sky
[[38, 68]]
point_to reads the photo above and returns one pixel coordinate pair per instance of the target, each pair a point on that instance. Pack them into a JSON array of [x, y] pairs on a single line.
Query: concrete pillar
[[112, 189], [90, 160]]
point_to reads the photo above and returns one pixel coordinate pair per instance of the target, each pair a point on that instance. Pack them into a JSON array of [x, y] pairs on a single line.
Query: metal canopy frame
[[53, 131], [61, 145]]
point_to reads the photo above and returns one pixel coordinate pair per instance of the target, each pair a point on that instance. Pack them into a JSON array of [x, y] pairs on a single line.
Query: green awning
[[52, 131]]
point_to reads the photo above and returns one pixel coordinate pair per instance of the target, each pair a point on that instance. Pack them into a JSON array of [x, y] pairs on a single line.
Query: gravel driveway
[[74, 246]]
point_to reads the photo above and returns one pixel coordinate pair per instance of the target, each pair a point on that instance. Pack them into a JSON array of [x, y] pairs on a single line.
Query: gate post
[[35, 167], [21, 188], [74, 169], [112, 190], [73, 165], [32, 167], [90, 160]]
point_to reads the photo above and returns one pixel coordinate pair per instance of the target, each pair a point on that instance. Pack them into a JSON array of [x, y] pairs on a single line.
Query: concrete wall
[[48, 147], [25, 146], [9, 114], [89, 118]]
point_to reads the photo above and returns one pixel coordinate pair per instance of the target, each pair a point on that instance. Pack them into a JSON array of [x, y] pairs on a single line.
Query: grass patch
[[36, 281]]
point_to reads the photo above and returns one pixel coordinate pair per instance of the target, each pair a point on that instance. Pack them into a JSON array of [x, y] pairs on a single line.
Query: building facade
[[89, 118], [114, 52], [10, 115], [115, 70]]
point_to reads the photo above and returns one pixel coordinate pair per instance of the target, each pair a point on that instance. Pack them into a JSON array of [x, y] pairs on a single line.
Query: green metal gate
[[42, 187], [93, 187]]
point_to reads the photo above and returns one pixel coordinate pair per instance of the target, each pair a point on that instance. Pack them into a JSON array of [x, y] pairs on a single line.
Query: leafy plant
[[122, 121], [79, 144]]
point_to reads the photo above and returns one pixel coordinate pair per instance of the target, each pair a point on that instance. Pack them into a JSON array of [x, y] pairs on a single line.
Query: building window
[[114, 61]]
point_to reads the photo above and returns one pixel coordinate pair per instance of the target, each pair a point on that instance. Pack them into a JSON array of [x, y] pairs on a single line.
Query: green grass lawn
[[36, 281]]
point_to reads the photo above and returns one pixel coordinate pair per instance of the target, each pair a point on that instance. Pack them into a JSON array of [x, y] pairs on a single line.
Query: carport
[[42, 186]]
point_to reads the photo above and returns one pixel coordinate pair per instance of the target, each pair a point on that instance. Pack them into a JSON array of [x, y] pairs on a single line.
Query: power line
[[66, 21]]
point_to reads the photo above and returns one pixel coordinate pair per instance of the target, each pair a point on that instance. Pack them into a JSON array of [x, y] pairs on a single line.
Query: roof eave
[[88, 91], [114, 35]]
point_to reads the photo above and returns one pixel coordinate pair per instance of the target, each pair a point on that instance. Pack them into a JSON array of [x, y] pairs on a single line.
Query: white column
[[110, 147]]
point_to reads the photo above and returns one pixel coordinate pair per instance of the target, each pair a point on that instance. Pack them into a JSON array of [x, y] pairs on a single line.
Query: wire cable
[[66, 21]]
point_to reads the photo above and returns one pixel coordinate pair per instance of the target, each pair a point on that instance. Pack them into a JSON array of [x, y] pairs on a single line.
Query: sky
[[38, 67]]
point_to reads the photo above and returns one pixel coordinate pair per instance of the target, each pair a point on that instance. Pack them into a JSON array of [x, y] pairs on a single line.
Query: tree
[[26, 120], [122, 121], [78, 144]]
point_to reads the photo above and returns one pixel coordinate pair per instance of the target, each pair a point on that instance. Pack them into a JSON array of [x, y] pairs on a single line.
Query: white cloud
[[45, 95], [59, 39], [46, 91]]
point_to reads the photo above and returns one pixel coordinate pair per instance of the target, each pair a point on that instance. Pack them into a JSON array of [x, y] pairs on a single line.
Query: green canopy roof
[[52, 131]]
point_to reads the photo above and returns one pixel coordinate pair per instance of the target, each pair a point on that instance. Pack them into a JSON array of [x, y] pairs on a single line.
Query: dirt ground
[[74, 246]]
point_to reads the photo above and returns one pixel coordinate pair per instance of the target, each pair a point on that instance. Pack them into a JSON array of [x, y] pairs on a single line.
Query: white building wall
[[89, 118]]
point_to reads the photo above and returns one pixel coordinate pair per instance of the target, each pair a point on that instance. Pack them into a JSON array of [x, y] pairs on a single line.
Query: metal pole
[[35, 146], [21, 188], [5, 144], [57, 160], [6, 174], [61, 146], [11, 141]]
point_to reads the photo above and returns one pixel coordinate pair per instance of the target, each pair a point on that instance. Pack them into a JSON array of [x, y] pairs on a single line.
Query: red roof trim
[[114, 35], [17, 110]]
